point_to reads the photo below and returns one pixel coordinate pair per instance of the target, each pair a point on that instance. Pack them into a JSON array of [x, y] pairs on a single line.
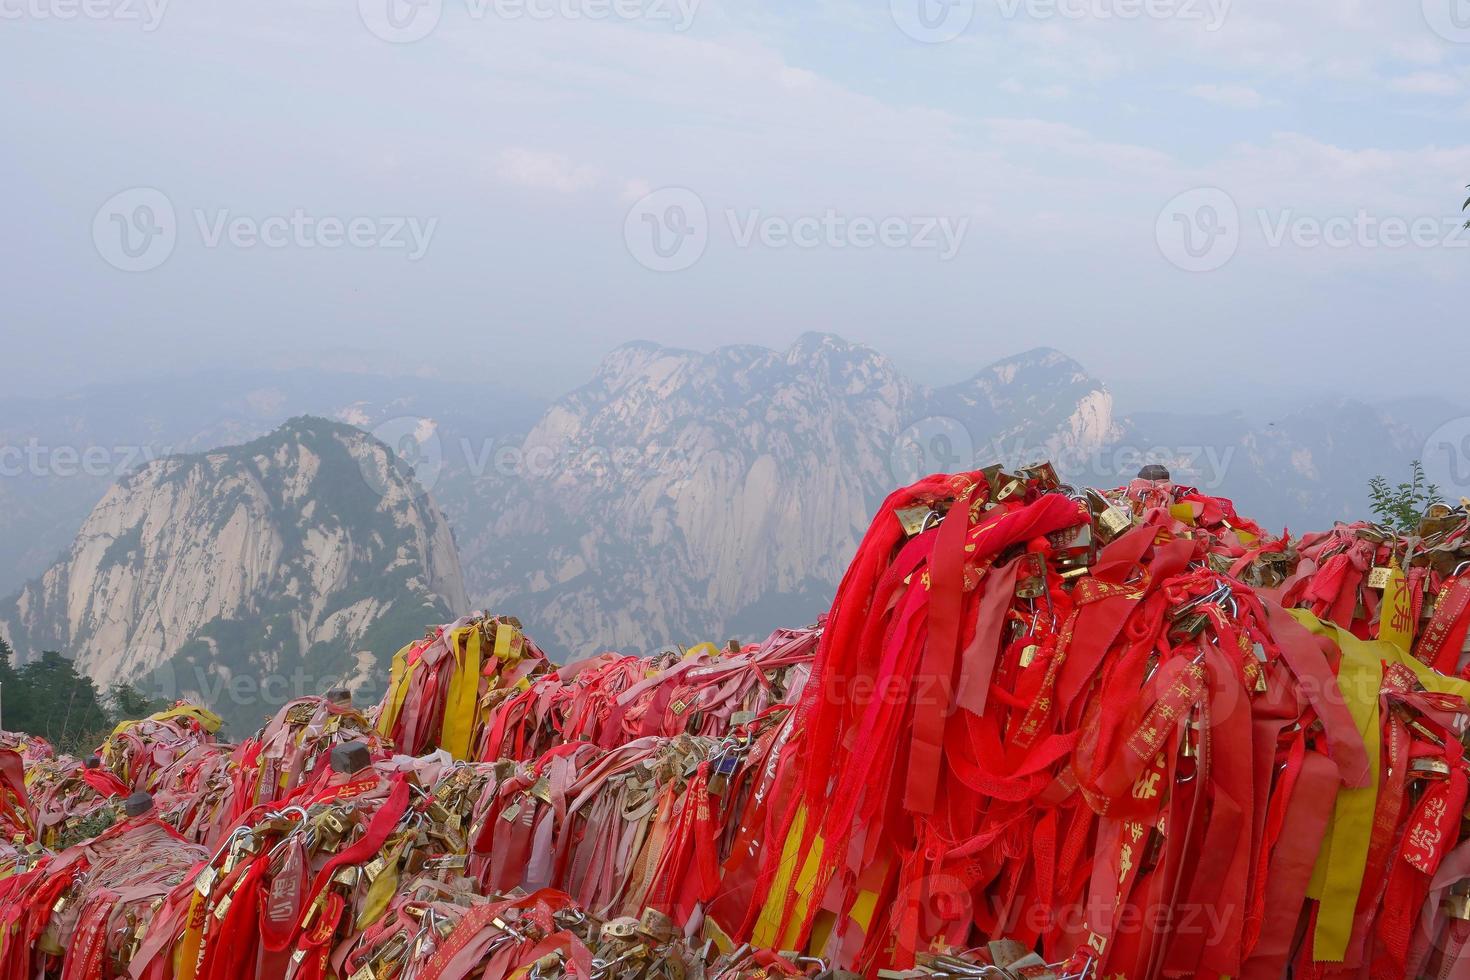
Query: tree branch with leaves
[[1400, 507]]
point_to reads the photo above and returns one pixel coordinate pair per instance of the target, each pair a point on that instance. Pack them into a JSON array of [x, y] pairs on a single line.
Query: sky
[[1206, 202]]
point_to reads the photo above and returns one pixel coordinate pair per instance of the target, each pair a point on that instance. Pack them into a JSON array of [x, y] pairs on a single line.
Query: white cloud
[[1054, 92], [1427, 83], [542, 170], [1233, 96], [635, 190]]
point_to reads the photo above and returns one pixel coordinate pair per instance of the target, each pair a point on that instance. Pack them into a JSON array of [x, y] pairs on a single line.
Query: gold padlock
[[1011, 488], [1456, 904], [1043, 474], [913, 519], [1031, 578], [1429, 766]]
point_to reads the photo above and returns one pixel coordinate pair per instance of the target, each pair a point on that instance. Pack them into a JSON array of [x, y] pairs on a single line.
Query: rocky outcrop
[[309, 547], [681, 496]]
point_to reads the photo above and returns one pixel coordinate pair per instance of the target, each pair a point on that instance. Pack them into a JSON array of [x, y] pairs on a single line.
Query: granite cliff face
[[675, 497], [681, 496], [309, 553]]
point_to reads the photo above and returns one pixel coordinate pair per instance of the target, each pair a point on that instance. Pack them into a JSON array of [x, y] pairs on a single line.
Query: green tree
[[129, 704], [59, 704], [14, 710], [1400, 507]]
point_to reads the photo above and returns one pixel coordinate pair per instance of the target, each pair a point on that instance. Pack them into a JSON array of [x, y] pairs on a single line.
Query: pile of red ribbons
[[440, 686], [610, 699], [1044, 732], [317, 848], [1097, 726]]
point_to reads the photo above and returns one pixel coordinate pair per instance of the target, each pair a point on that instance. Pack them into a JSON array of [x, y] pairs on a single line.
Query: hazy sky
[[1186, 195]]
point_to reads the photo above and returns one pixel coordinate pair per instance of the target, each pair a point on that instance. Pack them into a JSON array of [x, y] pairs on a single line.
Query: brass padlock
[[1031, 578], [1011, 488], [913, 519], [657, 925], [1429, 766], [1456, 904], [624, 927], [375, 867], [1043, 474]]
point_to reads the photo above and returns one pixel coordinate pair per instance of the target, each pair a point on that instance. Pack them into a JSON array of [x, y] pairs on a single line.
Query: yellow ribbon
[[381, 891], [1338, 876], [207, 719], [399, 676], [464, 693], [186, 953], [770, 931], [1396, 616]]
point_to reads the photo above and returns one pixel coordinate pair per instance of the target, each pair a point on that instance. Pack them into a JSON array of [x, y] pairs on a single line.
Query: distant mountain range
[[676, 496], [306, 556]]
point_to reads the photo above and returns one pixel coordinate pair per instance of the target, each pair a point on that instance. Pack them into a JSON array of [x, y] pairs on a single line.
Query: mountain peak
[[245, 560], [1036, 361]]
